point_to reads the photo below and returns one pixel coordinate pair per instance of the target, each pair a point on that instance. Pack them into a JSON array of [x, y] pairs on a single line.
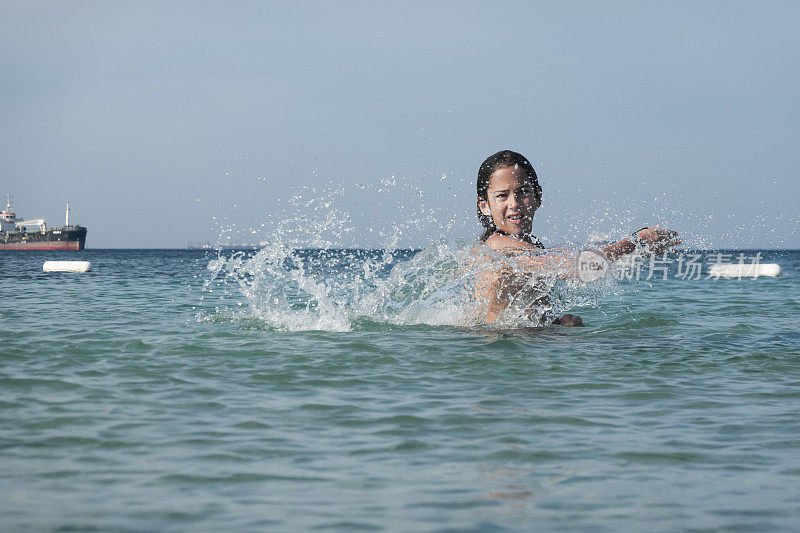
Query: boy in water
[[508, 196]]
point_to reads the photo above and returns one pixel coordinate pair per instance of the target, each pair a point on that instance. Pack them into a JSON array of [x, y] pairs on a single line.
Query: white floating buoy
[[744, 270], [67, 266]]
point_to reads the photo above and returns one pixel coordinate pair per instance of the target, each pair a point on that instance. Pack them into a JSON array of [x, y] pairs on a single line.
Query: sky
[[364, 123]]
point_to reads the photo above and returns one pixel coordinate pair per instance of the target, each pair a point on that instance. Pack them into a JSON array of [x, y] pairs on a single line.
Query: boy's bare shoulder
[[506, 244]]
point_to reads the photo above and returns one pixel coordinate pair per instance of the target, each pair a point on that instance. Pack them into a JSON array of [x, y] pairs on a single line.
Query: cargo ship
[[35, 235]]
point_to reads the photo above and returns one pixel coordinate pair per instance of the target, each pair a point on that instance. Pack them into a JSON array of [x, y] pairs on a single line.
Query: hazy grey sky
[[164, 122]]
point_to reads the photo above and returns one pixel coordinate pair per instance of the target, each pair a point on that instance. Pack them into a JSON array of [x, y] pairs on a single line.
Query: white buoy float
[[744, 270], [67, 266]]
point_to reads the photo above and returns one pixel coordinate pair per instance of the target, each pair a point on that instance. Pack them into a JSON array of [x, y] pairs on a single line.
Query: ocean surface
[[341, 390]]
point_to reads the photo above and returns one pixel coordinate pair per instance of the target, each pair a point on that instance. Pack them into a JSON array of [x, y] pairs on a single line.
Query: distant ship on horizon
[[35, 235]]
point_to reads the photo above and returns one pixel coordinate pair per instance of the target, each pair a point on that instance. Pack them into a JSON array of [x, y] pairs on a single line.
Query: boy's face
[[511, 201]]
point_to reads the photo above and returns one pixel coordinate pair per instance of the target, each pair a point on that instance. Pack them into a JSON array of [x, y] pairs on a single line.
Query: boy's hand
[[657, 240]]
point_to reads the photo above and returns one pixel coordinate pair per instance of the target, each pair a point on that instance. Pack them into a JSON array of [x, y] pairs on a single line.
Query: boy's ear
[[484, 207]]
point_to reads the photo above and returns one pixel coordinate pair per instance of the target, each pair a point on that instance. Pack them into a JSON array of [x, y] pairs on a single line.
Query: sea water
[[347, 390]]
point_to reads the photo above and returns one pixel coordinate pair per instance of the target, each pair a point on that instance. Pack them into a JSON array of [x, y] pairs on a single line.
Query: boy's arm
[[563, 263], [655, 240]]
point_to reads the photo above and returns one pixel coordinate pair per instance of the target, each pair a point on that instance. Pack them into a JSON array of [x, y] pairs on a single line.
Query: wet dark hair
[[493, 163]]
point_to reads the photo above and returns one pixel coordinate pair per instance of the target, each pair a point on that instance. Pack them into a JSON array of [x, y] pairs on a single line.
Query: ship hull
[[73, 238]]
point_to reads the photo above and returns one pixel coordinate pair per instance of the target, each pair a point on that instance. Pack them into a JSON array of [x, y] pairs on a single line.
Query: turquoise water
[[174, 390]]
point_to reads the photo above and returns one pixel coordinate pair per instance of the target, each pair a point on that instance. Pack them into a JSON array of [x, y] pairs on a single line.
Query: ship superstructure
[[16, 234]]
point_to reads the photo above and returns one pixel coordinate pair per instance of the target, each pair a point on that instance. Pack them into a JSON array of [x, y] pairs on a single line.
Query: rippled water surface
[[176, 390]]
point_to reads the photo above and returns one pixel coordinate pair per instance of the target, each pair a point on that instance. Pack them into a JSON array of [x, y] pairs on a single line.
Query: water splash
[[289, 289], [335, 289]]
